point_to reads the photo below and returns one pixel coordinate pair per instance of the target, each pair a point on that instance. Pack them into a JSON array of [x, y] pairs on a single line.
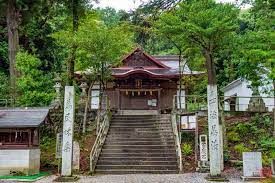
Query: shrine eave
[[151, 73]]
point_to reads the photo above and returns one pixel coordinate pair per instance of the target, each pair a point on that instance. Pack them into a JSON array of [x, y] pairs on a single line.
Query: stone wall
[[24, 160], [56, 119]]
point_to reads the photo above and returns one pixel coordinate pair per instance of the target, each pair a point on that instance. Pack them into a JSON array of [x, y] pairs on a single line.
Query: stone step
[[135, 116], [138, 119], [138, 167], [139, 158], [140, 135], [139, 146], [140, 143], [135, 162], [140, 130], [145, 139], [104, 150], [137, 154], [138, 122], [154, 140], [135, 171], [156, 125]]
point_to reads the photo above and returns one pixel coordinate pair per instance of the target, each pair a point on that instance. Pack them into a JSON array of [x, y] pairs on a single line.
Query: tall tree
[[13, 41], [205, 26]]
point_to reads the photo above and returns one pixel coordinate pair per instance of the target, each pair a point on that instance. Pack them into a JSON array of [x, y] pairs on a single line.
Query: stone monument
[[76, 155], [203, 164], [68, 129], [203, 148], [252, 165], [215, 147]]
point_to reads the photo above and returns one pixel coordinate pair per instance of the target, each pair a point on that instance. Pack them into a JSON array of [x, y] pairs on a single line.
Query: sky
[[129, 4]]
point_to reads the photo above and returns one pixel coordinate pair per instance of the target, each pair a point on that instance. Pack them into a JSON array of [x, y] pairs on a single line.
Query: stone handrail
[[177, 140], [176, 133], [101, 136], [103, 123]]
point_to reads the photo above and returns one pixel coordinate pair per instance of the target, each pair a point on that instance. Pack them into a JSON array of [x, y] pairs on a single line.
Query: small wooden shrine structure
[[19, 140]]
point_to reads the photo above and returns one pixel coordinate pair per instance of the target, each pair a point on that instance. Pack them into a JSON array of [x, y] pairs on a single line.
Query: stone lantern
[[83, 95], [57, 101]]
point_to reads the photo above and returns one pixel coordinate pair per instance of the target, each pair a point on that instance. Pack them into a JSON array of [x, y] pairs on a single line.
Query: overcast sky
[[130, 4]]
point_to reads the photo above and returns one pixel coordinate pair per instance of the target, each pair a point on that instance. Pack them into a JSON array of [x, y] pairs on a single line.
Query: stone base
[[216, 178], [203, 169], [252, 178], [138, 112], [26, 161], [66, 179]]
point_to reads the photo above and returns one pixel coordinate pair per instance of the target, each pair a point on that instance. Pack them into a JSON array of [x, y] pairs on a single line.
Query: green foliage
[[4, 86], [253, 135], [34, 86], [99, 47], [255, 53], [233, 136], [186, 149], [240, 148], [48, 147]]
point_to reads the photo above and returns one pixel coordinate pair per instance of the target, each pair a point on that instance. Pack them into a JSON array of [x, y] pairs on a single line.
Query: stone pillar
[[68, 129], [215, 146]]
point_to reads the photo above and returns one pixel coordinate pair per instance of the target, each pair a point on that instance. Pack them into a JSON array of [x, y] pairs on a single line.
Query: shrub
[[186, 149], [240, 148], [34, 85], [233, 136]]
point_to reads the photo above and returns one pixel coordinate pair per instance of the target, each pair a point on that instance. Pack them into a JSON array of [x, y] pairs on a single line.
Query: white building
[[238, 93]]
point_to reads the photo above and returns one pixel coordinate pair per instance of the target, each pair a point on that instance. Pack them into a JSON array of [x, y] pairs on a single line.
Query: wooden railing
[[103, 119], [177, 137]]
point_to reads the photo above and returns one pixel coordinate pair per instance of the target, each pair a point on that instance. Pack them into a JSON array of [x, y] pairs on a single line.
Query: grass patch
[[26, 178]]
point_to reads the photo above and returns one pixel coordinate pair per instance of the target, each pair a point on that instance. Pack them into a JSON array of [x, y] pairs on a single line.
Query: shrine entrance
[[139, 99]]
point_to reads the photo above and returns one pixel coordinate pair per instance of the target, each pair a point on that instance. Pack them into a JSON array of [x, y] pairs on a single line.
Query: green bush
[[233, 136], [186, 149], [35, 87], [240, 148], [4, 86]]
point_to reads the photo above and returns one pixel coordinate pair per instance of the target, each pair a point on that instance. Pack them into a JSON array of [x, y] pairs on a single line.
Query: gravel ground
[[143, 178]]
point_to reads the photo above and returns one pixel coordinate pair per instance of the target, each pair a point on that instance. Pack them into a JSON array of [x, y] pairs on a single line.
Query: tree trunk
[[72, 57], [86, 108], [13, 42]]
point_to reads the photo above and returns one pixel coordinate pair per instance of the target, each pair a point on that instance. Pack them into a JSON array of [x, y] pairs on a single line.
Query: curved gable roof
[[139, 58]]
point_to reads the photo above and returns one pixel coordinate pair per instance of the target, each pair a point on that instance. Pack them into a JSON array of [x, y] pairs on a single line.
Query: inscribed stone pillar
[[215, 147], [203, 148], [68, 129]]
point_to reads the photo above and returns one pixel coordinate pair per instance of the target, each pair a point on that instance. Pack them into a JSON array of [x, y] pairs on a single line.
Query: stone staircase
[[138, 144]]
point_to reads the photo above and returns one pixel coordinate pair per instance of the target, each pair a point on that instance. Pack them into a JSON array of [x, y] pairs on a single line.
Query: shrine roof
[[138, 61], [22, 118], [163, 66]]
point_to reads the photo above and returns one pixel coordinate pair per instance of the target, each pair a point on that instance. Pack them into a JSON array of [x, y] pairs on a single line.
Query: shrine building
[[144, 83]]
